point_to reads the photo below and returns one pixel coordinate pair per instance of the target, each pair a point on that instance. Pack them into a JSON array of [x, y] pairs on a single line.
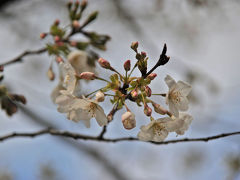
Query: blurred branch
[[68, 134], [90, 151], [23, 54]]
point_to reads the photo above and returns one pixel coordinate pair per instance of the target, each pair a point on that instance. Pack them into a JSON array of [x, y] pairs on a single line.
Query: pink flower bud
[[127, 65], [87, 76], [76, 24], [147, 110], [56, 22], [158, 109], [134, 45], [134, 93], [59, 59], [152, 76], [148, 91], [56, 38], [144, 54], [104, 63], [100, 96], [73, 43], [60, 43], [84, 4], [1, 68], [128, 120], [43, 35]]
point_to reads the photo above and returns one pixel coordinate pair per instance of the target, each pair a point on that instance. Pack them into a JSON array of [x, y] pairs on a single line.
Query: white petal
[[56, 92], [182, 105], [170, 81], [162, 137], [145, 135], [87, 123], [184, 122], [173, 109], [183, 87], [101, 117]]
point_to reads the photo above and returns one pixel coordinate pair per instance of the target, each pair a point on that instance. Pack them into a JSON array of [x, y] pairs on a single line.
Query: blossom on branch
[[80, 109], [157, 130], [177, 95]]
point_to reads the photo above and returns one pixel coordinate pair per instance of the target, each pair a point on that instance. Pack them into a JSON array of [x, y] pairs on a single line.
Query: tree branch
[[102, 139], [23, 54]]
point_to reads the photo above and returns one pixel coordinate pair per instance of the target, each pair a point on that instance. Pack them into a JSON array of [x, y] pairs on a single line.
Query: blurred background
[[203, 38]]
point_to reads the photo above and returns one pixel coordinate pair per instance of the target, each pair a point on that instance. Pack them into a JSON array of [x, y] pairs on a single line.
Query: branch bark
[[23, 54], [72, 135]]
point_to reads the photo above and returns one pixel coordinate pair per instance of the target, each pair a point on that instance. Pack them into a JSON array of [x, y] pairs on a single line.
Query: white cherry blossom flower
[[80, 109], [177, 95], [77, 63], [128, 120], [157, 130], [183, 121], [67, 80]]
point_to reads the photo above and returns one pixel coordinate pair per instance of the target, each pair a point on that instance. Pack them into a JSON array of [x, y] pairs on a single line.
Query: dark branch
[[163, 59], [104, 130], [93, 138], [25, 53]]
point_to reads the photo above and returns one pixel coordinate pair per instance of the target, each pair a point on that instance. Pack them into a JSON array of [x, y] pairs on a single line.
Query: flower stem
[[108, 94], [164, 95], [93, 92], [132, 70], [102, 79]]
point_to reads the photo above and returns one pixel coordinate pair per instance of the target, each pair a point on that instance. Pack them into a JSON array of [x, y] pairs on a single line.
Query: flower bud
[[109, 117], [60, 43], [43, 35], [144, 54], [134, 46], [56, 22], [104, 63], [50, 74], [1, 68], [83, 4], [56, 38], [100, 96], [158, 109], [69, 5], [59, 59], [134, 93], [128, 120], [75, 24], [77, 2], [17, 97], [127, 65], [152, 76], [147, 110], [148, 91], [87, 76]]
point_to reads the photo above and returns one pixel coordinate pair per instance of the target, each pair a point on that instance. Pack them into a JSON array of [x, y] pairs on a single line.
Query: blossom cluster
[[122, 88]]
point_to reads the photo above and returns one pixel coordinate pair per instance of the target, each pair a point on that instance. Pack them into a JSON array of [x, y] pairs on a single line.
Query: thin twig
[[104, 130], [72, 135], [23, 54]]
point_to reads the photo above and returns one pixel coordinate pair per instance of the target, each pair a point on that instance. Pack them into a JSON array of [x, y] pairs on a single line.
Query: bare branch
[[23, 54], [104, 130], [98, 138]]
